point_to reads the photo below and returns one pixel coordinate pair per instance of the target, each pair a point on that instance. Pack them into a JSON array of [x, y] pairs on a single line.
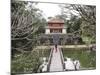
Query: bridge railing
[[49, 60], [62, 58]]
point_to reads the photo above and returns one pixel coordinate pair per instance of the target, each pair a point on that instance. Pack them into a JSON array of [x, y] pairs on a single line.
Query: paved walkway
[[56, 64]]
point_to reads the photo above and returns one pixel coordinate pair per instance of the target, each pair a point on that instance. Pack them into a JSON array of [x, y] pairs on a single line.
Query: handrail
[[49, 60], [62, 58]]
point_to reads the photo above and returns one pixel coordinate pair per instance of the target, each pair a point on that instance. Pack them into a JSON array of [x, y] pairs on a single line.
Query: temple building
[[56, 32], [55, 26]]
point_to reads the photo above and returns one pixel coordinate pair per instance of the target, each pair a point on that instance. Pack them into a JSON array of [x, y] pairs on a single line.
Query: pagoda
[[55, 26]]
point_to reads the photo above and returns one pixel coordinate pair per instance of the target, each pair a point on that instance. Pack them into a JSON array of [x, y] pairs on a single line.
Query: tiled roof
[[55, 20]]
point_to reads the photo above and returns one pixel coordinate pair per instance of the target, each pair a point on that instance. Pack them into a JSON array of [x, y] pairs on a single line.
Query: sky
[[50, 10]]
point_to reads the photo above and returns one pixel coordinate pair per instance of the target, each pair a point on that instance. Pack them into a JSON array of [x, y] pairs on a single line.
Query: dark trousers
[[56, 47]]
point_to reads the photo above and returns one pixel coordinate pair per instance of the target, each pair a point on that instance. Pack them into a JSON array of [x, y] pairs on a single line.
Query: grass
[[87, 58]]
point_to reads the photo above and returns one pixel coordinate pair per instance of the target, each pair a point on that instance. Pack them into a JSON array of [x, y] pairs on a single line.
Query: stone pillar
[[47, 31], [64, 31]]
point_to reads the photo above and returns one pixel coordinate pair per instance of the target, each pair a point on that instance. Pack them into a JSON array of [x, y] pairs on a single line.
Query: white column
[[64, 31], [47, 31]]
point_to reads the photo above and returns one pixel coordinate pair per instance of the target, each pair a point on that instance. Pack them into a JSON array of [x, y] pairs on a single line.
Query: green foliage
[[82, 19], [88, 40], [73, 24], [28, 62], [26, 25], [25, 63], [88, 31], [26, 22]]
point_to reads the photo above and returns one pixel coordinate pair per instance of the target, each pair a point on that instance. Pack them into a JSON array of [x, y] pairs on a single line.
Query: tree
[[88, 14], [86, 22], [73, 24], [24, 23], [26, 20]]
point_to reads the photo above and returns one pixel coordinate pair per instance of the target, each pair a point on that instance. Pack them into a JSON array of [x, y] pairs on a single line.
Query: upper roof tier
[[55, 20]]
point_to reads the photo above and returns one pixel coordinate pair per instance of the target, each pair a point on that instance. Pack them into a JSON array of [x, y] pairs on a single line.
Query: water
[[87, 58]]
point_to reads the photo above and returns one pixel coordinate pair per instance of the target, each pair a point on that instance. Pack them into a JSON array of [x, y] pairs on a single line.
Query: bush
[[25, 63]]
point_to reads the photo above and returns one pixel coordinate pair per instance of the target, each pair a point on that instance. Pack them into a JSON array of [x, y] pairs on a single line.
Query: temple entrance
[[56, 31], [55, 39]]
